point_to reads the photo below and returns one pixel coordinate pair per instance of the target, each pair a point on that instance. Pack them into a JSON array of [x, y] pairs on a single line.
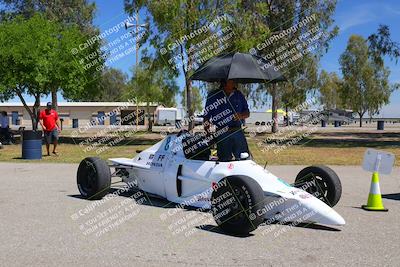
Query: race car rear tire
[[234, 204], [322, 182], [93, 178]]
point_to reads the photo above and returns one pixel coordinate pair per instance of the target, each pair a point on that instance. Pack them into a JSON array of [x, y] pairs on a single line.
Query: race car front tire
[[93, 178], [234, 203], [322, 182]]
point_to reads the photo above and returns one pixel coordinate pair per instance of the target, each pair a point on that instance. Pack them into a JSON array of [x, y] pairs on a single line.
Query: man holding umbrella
[[227, 108], [228, 117]]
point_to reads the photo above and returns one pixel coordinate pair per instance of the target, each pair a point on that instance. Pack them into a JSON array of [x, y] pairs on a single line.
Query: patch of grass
[[304, 155], [330, 148], [70, 153]]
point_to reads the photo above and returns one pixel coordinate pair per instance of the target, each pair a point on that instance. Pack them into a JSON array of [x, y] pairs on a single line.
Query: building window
[[14, 118], [75, 123], [101, 117], [113, 118]]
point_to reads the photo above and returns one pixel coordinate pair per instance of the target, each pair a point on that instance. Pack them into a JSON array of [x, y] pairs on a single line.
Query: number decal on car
[[167, 142]]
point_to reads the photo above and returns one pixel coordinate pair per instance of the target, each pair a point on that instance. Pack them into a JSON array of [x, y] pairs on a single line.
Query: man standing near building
[[5, 129], [50, 123], [227, 109]]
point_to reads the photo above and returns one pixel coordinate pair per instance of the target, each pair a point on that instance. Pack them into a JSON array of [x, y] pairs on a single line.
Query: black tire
[[327, 186], [235, 203], [93, 178]]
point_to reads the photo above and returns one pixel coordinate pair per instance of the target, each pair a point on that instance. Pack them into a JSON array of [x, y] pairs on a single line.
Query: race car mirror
[[378, 161], [244, 155]]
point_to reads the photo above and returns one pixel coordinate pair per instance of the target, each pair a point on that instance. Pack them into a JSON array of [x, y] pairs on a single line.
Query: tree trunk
[[189, 96], [360, 119], [149, 120], [274, 109], [327, 119], [33, 123], [54, 98], [31, 113], [190, 26], [35, 111], [287, 116], [189, 104]]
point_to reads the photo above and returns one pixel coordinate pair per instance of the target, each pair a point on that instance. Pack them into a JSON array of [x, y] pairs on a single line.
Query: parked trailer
[[165, 116], [259, 118]]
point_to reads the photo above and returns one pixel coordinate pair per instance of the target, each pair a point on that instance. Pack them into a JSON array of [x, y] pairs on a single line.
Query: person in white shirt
[[4, 128]]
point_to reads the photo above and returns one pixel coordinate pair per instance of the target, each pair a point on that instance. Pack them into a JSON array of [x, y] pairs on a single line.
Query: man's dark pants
[[5, 133], [232, 142]]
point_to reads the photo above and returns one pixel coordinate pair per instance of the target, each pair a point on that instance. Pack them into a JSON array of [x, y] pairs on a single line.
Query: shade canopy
[[279, 111], [241, 67]]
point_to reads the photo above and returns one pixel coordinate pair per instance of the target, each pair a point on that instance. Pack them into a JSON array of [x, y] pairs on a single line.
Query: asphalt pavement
[[44, 222]]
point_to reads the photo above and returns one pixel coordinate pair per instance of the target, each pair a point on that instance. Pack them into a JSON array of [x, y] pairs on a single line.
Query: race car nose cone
[[330, 217], [319, 212]]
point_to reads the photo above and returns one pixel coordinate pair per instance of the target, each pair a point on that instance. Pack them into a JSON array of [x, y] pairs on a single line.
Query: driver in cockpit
[[227, 109]]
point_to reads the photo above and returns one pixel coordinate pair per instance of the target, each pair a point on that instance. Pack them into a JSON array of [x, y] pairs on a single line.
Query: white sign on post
[[378, 161]]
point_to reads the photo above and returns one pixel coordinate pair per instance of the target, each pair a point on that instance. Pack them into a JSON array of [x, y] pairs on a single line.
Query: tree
[[302, 81], [366, 86], [248, 21], [257, 21], [177, 25], [112, 86], [380, 44], [75, 76], [151, 84], [75, 13], [330, 90], [39, 60], [302, 73], [173, 34], [197, 103]]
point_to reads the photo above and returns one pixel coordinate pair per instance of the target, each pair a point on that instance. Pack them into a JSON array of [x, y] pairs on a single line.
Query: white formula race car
[[240, 193]]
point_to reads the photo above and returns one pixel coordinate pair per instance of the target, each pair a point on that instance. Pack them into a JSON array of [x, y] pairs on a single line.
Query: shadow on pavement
[[395, 196], [76, 196], [217, 230], [312, 226], [154, 201]]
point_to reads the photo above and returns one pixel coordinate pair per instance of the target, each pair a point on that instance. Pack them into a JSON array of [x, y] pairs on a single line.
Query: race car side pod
[[374, 198]]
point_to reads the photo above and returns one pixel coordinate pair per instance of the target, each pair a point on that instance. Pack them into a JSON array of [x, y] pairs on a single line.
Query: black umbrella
[[243, 68]]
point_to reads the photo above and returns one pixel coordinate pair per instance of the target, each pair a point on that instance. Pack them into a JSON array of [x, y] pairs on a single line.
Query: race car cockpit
[[198, 146]]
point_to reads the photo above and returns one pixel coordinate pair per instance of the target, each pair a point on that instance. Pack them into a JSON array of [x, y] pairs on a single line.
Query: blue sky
[[352, 16], [363, 17]]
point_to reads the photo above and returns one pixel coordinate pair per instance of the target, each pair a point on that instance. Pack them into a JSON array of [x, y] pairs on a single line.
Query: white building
[[75, 114]]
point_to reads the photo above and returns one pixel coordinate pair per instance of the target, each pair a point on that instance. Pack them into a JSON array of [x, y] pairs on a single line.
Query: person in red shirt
[[50, 123]]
